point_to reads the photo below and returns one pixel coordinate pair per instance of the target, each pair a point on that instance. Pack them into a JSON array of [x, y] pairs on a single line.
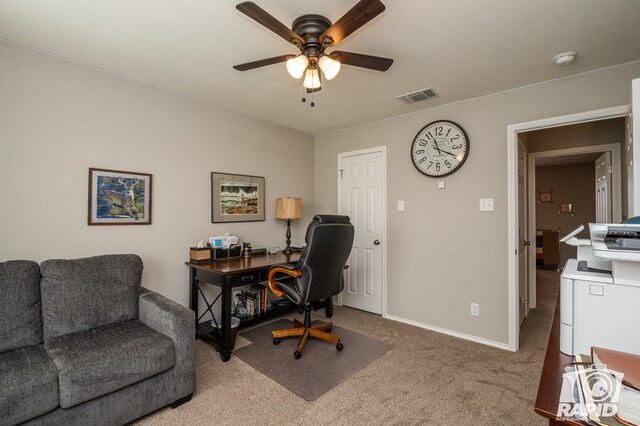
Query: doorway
[[565, 208], [514, 242], [361, 196]]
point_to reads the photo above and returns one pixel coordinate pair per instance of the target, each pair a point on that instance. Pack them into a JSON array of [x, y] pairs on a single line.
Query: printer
[[600, 290]]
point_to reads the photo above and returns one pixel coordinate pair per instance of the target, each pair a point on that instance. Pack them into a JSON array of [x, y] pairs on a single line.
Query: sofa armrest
[[174, 320]]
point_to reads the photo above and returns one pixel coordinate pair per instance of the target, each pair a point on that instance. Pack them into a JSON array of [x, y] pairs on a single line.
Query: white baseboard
[[476, 339]]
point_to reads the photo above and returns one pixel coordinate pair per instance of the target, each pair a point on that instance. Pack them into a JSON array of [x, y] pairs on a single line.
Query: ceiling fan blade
[[357, 16], [263, 62], [360, 60], [261, 16]]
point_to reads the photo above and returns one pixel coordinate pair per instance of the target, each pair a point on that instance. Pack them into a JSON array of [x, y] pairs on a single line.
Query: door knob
[[376, 242], [526, 243]]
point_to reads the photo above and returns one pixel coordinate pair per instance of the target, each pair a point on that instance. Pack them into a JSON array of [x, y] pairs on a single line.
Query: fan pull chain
[[312, 104], [313, 91]]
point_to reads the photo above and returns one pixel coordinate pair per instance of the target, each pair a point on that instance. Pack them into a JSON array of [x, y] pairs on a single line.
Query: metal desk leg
[[193, 295], [225, 352]]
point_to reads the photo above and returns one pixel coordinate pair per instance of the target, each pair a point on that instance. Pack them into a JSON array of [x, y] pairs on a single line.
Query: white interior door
[[603, 188], [362, 199], [524, 242]]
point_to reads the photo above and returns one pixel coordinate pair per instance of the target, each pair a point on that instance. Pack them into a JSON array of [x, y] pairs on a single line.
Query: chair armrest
[[174, 320], [286, 269]]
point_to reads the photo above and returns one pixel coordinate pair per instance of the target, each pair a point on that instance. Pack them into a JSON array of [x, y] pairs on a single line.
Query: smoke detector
[[565, 58]]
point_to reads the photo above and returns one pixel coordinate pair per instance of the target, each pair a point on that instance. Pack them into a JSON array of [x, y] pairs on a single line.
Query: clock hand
[[450, 153], [437, 147]]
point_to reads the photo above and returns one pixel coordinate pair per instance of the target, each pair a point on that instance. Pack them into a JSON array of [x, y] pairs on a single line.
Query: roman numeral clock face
[[440, 148]]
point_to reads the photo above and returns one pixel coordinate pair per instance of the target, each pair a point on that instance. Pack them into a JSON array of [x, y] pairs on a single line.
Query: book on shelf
[[262, 293], [629, 365], [250, 302]]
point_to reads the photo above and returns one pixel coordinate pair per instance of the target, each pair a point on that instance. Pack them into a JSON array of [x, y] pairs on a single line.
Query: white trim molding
[[448, 332]]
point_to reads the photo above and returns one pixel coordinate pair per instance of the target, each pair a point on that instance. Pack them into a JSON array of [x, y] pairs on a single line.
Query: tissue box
[[200, 254], [226, 253]]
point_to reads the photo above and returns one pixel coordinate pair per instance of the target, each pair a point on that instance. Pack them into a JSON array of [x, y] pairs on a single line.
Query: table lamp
[[288, 209]]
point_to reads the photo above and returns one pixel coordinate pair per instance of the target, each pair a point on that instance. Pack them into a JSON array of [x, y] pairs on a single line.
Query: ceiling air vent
[[420, 95]]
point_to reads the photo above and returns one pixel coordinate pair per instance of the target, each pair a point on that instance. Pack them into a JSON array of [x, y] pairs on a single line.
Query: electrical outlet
[[475, 309]]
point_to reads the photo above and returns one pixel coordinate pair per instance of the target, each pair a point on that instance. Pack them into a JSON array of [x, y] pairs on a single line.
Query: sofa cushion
[[20, 313], [29, 384], [95, 362], [82, 294]]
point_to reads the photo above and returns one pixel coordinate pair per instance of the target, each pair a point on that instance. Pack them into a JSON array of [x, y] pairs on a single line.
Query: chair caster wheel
[[339, 346], [276, 340], [297, 354]]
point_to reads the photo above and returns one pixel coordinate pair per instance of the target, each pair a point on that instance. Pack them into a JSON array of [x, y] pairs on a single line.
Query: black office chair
[[318, 275]]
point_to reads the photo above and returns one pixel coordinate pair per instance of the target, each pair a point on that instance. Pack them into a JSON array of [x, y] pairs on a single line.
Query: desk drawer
[[248, 278]]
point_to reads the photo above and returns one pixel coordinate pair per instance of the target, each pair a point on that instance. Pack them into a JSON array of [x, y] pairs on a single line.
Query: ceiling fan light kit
[[297, 66], [311, 35], [329, 67], [312, 79]]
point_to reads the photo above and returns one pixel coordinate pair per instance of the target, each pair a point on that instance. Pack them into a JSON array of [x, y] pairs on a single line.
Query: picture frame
[[566, 207], [117, 197], [545, 197], [237, 198]]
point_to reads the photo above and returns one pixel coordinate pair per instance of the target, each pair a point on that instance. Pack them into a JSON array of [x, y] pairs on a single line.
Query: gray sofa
[[82, 343]]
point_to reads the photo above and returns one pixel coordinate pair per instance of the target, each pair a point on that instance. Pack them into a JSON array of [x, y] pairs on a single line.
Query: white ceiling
[[462, 49]]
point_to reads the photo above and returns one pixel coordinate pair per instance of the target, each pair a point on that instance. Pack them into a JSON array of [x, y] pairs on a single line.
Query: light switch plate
[[486, 204], [441, 184], [400, 205]]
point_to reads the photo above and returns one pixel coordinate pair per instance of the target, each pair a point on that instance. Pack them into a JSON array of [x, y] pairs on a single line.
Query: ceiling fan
[[312, 34]]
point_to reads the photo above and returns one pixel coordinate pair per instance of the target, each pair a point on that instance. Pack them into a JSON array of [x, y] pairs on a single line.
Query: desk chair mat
[[321, 367]]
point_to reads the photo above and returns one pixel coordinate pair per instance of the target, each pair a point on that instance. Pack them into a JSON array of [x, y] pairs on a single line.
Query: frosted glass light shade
[[312, 79], [297, 65], [329, 67]]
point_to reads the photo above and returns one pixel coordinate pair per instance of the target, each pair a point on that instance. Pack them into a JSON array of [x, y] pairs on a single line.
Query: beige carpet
[[426, 379]]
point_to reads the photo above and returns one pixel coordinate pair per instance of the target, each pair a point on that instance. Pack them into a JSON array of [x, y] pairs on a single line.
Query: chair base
[[307, 330]]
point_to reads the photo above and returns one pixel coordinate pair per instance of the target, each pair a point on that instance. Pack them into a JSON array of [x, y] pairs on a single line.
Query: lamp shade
[[289, 208], [329, 67], [297, 65], [312, 79]]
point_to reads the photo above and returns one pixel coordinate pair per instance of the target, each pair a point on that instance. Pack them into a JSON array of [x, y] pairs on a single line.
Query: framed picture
[[119, 198], [566, 207], [236, 198], [545, 197]]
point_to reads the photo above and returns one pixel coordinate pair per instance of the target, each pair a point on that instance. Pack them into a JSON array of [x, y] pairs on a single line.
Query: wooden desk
[[551, 377], [227, 274]]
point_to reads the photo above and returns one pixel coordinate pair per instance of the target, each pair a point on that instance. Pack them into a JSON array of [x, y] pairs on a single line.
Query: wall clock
[[440, 148]]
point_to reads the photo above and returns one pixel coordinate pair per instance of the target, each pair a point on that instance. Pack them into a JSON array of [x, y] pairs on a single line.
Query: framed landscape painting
[[119, 198], [236, 198]]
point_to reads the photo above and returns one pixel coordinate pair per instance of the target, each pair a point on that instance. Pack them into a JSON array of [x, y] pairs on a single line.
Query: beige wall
[[57, 119], [442, 252], [571, 183]]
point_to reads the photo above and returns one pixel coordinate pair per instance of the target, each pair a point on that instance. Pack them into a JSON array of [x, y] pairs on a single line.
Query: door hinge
[[340, 170]]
